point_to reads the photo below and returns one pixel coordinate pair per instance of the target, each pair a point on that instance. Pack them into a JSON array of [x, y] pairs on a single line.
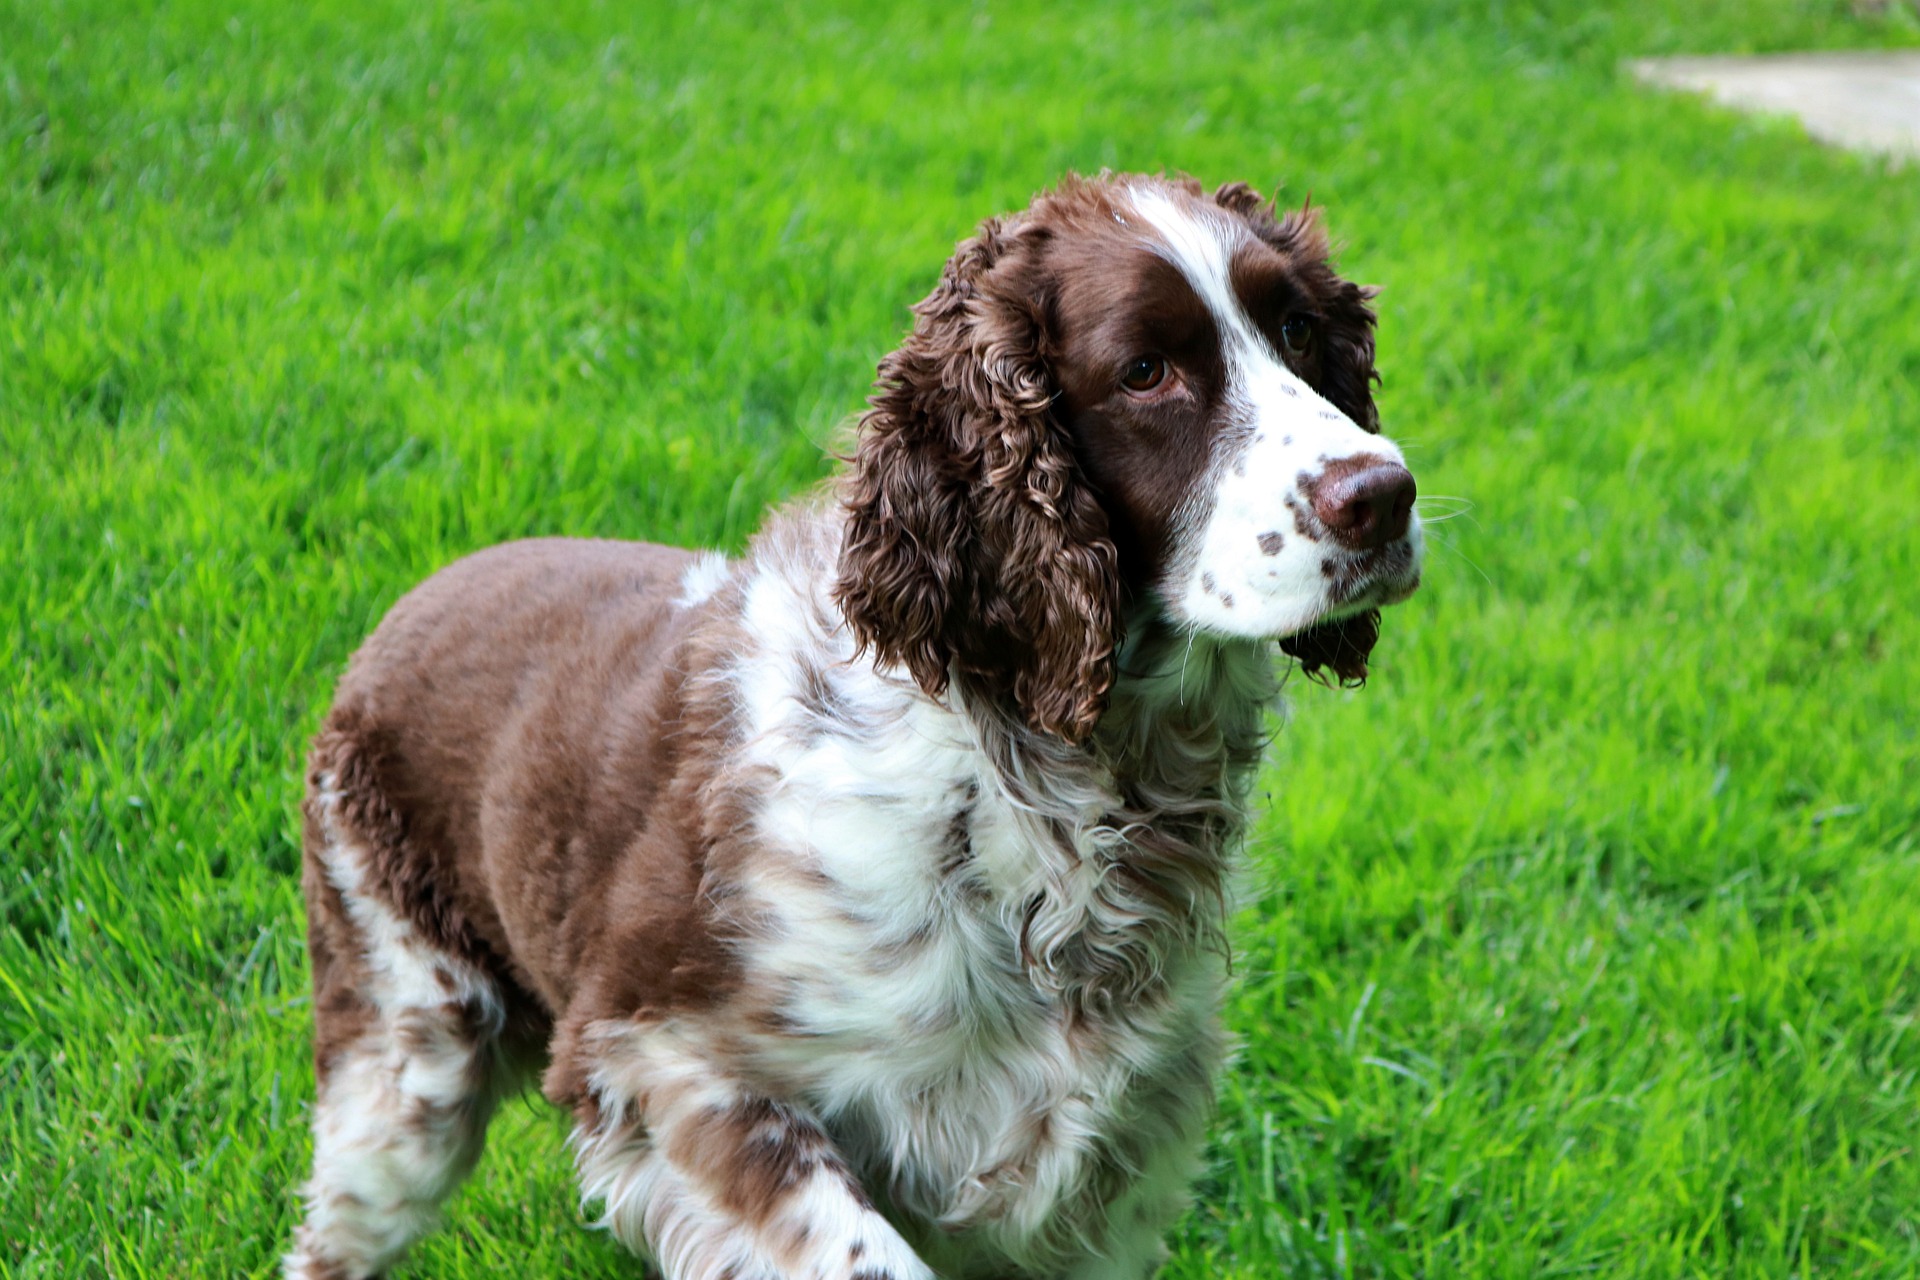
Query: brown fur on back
[[522, 701]]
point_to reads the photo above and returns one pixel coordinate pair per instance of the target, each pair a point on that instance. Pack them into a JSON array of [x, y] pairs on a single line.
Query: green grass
[[1583, 941]]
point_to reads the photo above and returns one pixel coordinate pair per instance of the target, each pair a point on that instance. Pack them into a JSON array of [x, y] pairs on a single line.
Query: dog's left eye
[[1296, 335], [1144, 374]]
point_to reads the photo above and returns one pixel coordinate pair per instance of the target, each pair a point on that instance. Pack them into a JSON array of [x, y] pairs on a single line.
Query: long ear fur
[[974, 547]]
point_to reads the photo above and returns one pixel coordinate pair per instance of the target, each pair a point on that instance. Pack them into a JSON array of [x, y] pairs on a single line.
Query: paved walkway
[[1867, 100]]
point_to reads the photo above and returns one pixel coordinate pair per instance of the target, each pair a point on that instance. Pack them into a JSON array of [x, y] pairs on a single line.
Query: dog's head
[[1133, 394]]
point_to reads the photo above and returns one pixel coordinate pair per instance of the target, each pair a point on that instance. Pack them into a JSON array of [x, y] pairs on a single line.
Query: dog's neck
[[1133, 829]]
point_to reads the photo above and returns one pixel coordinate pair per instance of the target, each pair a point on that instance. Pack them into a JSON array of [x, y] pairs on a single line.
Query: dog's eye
[[1296, 335], [1144, 374]]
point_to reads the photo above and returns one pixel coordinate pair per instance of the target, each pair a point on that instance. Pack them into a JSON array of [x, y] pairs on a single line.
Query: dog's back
[[513, 701]]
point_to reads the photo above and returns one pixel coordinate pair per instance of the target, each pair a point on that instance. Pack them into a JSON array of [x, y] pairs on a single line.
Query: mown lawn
[[1582, 941]]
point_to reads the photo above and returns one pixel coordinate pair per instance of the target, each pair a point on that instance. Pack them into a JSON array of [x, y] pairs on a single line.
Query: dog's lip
[[1374, 579]]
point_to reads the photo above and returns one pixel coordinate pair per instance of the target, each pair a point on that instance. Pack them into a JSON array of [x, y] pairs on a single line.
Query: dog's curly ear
[[973, 546]]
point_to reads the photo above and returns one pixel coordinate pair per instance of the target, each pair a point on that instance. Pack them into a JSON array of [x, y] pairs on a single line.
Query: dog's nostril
[[1365, 506]]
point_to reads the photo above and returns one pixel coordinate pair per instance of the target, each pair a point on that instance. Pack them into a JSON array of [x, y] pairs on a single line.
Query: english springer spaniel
[[862, 896]]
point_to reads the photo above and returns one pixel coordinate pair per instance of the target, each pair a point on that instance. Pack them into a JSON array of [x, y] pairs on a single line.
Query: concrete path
[[1868, 100]]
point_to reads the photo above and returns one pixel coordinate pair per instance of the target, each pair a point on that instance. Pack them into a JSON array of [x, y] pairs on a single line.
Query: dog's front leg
[[712, 1180]]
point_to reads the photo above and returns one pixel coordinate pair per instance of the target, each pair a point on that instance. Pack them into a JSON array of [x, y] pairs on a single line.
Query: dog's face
[[1215, 375], [1132, 395]]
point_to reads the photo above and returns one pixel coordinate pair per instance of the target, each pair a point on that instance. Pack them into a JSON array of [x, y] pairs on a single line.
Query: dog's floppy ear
[[973, 546]]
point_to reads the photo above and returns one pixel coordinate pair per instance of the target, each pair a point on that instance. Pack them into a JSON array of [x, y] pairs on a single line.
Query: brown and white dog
[[863, 894]]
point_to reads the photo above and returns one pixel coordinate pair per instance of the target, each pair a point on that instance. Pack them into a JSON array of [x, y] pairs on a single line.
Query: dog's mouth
[[1372, 579]]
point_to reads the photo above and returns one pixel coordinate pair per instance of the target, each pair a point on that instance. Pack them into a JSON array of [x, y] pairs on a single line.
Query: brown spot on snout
[[1302, 518], [1271, 542]]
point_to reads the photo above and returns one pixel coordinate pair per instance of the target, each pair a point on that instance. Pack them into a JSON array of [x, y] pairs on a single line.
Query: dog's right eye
[[1144, 374]]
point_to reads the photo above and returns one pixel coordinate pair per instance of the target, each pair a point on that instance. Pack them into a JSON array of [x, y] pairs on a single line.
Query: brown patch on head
[[1288, 272], [1119, 298]]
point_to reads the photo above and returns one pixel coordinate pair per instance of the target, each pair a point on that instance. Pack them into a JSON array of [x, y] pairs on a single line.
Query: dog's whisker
[[1441, 541]]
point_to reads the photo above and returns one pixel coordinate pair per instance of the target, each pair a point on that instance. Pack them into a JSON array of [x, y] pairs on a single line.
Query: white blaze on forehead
[[1202, 247], [1246, 559]]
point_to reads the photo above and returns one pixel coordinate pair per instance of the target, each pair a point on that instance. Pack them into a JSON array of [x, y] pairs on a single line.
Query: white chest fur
[[895, 912]]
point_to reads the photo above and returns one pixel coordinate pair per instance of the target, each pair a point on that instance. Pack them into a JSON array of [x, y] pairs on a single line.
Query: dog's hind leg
[[712, 1180], [406, 1050]]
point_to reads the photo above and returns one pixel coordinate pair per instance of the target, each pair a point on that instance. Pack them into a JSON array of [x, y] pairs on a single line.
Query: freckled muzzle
[[1276, 557]]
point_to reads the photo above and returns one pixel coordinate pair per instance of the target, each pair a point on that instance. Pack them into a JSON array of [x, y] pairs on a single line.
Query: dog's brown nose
[[1365, 502]]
